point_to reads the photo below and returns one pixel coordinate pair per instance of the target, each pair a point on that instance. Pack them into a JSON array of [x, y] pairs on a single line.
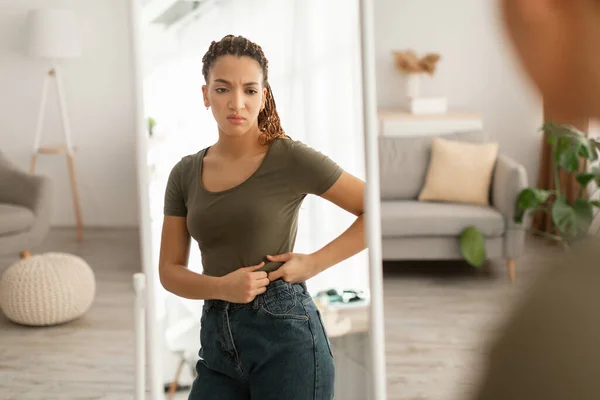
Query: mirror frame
[[373, 203]]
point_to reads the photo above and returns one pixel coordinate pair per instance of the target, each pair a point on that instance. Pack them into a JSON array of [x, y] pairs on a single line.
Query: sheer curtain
[[314, 71]]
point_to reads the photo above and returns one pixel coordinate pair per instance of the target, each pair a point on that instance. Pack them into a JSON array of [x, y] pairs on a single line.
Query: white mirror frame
[[373, 202], [148, 336]]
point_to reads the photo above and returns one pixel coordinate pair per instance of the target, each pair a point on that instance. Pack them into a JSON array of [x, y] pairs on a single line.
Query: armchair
[[25, 208]]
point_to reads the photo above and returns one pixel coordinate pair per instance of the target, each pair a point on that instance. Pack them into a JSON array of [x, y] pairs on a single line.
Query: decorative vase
[[413, 81]]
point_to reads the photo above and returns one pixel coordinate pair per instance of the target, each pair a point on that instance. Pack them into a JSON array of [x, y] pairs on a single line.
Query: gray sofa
[[25, 208], [430, 230]]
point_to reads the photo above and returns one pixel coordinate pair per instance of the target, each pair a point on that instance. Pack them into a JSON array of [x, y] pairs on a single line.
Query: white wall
[[99, 95], [478, 71]]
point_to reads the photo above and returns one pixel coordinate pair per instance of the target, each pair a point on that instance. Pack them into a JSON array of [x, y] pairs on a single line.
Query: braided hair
[[268, 119]]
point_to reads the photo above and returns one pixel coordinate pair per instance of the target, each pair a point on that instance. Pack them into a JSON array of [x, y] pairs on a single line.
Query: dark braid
[[268, 119]]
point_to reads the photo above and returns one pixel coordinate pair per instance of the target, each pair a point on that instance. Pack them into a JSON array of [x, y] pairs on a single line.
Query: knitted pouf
[[47, 289]]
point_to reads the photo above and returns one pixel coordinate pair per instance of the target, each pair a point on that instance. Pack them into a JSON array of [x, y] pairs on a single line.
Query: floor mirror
[[324, 85]]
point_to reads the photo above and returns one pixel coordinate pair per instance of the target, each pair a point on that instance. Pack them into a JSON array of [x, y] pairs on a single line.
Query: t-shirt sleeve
[[174, 194], [312, 171]]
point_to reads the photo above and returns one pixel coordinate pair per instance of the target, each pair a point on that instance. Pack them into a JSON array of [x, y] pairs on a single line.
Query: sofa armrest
[[509, 179], [21, 188], [24, 189]]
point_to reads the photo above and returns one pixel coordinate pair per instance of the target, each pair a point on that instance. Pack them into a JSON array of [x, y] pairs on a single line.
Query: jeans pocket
[[283, 305], [280, 303], [284, 309], [325, 333]]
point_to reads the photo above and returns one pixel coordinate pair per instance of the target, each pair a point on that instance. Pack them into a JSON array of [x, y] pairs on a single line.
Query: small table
[[348, 331]]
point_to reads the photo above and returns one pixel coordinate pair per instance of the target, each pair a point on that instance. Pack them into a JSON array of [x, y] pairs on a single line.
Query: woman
[[262, 336], [549, 348]]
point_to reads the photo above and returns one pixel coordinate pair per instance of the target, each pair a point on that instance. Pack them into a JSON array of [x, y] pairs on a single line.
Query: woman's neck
[[235, 147]]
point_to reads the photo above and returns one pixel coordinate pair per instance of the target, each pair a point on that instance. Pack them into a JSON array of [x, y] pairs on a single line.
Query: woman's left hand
[[296, 268]]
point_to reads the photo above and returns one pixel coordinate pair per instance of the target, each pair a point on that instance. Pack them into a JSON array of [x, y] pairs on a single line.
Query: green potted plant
[[571, 222], [151, 125]]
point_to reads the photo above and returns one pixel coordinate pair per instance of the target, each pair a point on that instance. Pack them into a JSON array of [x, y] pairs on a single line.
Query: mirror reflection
[[256, 185]]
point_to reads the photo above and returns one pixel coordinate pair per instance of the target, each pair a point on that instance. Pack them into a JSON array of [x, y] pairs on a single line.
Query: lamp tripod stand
[[67, 148]]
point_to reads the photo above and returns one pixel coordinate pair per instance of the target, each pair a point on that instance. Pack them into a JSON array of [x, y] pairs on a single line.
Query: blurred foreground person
[[549, 348]]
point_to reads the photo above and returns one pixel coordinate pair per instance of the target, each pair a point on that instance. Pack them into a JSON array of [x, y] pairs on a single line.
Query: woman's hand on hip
[[296, 268], [244, 284]]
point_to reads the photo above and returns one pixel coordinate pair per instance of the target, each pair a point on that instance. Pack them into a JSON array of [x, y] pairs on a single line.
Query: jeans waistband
[[274, 288]]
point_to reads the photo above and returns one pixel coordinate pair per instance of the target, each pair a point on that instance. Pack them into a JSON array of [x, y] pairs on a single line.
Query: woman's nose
[[236, 100]]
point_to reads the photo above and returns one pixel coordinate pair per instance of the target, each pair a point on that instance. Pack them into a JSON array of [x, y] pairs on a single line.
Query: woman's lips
[[235, 120]]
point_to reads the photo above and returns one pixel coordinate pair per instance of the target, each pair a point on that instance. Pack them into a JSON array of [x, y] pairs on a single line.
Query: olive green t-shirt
[[238, 227]]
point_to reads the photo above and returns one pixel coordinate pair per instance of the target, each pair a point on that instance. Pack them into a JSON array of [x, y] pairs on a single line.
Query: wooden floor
[[438, 318]]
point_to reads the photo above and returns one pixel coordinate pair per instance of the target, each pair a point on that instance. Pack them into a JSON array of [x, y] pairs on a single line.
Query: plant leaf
[[519, 214], [584, 178], [584, 214], [472, 246], [532, 197], [587, 150], [528, 199], [584, 146], [561, 147], [595, 203], [568, 158], [569, 145], [564, 218], [554, 131], [595, 144], [574, 131]]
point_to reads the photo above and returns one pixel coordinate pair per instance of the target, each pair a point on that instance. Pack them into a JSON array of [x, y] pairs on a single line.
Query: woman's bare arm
[[346, 193], [239, 286], [172, 267]]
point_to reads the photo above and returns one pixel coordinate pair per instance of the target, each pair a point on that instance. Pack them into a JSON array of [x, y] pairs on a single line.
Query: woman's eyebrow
[[226, 82]]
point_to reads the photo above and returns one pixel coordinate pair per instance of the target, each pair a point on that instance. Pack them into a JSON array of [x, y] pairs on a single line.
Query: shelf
[[401, 123], [54, 150]]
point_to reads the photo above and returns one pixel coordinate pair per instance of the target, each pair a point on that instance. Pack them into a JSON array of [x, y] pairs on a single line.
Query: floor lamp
[[53, 35]]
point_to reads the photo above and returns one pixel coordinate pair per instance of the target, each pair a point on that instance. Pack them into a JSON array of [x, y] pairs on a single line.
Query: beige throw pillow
[[459, 172]]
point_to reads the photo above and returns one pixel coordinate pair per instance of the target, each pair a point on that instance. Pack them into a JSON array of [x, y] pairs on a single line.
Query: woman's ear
[[264, 99], [205, 96]]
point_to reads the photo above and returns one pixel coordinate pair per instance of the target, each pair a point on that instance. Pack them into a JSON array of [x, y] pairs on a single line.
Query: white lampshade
[[53, 34]]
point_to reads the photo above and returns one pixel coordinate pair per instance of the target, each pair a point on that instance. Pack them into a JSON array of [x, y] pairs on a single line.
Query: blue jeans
[[274, 348]]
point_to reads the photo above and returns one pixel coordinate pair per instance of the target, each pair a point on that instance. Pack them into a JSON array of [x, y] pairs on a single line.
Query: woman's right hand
[[244, 284]]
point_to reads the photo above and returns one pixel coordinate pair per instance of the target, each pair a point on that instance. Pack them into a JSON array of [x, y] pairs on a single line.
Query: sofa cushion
[[14, 219], [404, 161], [415, 218], [460, 172]]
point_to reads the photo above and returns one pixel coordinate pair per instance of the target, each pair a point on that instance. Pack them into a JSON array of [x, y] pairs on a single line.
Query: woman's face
[[235, 93], [557, 42]]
